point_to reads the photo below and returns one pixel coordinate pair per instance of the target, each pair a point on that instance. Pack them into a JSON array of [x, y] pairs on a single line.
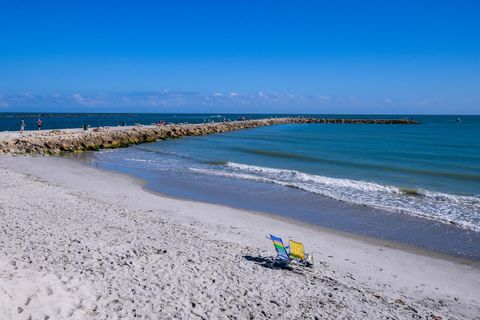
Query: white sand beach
[[81, 243]]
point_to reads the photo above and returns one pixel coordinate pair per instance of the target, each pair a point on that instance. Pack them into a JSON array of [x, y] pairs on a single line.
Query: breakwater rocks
[[75, 140]]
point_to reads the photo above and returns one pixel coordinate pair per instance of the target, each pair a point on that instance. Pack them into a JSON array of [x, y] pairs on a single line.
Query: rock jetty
[[75, 140]]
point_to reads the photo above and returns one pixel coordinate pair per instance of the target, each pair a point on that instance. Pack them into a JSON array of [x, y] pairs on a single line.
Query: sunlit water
[[429, 170]]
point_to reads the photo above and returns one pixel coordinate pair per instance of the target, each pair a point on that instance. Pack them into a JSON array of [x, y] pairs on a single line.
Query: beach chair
[[297, 252], [282, 253]]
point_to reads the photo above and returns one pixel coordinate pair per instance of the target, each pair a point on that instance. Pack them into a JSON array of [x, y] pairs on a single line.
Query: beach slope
[[81, 243]]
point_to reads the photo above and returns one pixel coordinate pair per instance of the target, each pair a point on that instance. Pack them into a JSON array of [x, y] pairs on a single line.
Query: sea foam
[[447, 208]]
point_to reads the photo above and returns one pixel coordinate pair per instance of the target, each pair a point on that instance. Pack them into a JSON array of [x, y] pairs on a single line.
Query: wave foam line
[[447, 208]]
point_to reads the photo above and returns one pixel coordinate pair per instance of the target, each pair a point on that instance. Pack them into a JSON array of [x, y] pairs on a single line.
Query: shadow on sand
[[268, 262]]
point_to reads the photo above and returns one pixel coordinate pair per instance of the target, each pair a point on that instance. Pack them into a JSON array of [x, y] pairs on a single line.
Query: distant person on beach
[[22, 125], [39, 124]]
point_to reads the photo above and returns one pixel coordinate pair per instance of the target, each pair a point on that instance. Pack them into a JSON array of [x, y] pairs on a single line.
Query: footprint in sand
[[29, 294]]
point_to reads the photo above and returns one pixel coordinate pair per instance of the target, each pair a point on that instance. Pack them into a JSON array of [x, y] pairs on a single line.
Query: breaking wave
[[447, 208]]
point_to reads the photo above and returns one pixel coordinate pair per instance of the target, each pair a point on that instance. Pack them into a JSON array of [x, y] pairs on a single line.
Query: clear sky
[[245, 56]]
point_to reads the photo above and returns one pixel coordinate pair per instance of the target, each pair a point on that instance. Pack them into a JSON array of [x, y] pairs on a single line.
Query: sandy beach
[[82, 243]]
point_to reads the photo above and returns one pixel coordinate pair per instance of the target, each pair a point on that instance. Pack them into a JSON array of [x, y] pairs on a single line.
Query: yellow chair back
[[297, 250]]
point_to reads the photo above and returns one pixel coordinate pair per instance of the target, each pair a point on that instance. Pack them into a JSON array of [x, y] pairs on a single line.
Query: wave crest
[[447, 208]]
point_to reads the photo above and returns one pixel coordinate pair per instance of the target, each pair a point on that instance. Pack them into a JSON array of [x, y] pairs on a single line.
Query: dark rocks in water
[[71, 140]]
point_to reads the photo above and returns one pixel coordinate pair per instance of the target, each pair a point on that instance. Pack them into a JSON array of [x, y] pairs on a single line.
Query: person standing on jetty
[[22, 125], [39, 123]]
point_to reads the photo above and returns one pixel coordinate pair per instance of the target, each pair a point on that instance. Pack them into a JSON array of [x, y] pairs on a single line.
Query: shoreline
[[143, 183], [368, 240], [116, 220], [309, 209]]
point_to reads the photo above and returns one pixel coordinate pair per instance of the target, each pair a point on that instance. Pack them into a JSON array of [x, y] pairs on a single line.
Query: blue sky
[[244, 56]]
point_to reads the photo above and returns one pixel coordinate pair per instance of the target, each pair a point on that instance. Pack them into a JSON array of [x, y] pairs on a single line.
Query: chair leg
[[309, 259]]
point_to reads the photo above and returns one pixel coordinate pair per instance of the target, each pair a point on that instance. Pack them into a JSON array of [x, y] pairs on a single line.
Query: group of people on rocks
[[40, 123], [23, 126]]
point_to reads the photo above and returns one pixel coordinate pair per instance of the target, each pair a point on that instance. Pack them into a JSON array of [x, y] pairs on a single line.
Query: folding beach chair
[[282, 254]]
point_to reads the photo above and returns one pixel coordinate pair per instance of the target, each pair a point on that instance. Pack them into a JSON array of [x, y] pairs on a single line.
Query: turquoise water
[[430, 170]]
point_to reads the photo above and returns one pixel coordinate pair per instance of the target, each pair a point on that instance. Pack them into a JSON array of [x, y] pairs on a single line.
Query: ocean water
[[430, 170], [11, 121]]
